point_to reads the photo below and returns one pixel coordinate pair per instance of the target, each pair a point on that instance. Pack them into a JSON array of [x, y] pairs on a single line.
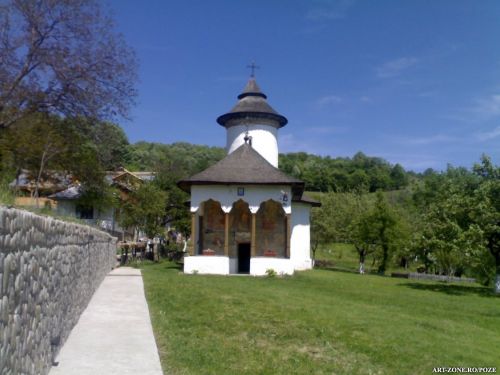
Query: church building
[[247, 216]]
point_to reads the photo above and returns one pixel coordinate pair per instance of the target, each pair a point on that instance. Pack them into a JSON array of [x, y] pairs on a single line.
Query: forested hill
[[87, 149], [360, 172]]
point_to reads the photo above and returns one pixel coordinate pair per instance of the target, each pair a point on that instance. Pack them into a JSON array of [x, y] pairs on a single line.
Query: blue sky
[[414, 82]]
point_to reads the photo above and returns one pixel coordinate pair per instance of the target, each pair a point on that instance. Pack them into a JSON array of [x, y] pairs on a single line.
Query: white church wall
[[226, 195], [259, 266], [300, 241], [195, 237], [264, 140], [233, 265], [203, 264]]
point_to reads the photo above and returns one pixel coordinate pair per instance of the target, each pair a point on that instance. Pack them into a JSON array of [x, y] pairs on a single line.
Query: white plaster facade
[[253, 118], [207, 265], [264, 140], [226, 195], [300, 241]]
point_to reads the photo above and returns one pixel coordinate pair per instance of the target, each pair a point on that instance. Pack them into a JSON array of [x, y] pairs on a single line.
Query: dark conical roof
[[252, 89], [243, 166], [252, 103]]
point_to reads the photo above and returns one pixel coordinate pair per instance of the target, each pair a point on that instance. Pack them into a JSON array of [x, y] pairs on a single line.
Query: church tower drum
[[252, 119]]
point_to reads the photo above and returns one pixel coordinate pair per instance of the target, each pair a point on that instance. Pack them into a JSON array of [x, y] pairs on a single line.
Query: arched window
[[212, 229], [271, 230]]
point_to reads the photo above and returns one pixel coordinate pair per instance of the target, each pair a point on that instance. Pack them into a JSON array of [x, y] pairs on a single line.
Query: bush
[[271, 272], [6, 194]]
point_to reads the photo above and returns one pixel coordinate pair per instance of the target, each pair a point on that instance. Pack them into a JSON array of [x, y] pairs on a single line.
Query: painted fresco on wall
[[213, 228], [271, 230], [240, 226]]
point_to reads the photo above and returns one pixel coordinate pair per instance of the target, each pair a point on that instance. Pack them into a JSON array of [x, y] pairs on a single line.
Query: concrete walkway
[[114, 333]]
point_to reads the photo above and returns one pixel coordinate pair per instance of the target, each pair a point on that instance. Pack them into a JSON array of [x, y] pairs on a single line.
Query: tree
[[145, 210], [109, 141], [39, 142], [486, 212], [461, 212], [329, 223], [176, 212], [61, 56], [398, 177], [46, 144], [379, 228], [363, 235]]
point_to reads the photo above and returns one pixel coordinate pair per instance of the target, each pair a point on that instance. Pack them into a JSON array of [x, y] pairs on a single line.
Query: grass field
[[343, 256], [318, 322]]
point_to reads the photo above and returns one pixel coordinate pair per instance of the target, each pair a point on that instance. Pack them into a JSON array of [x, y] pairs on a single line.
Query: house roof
[[252, 103], [114, 178], [50, 182], [73, 192], [243, 166], [307, 200]]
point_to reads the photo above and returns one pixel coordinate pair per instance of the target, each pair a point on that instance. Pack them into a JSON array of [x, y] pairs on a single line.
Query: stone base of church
[[208, 265], [302, 264], [259, 266]]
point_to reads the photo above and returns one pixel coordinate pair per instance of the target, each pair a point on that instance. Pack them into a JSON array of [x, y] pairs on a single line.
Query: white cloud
[[290, 143], [486, 136], [395, 67], [488, 107], [416, 162], [323, 130], [366, 99], [328, 100], [437, 138], [481, 109], [328, 11]]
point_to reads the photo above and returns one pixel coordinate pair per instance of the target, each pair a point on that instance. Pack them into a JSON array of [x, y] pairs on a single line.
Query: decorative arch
[[271, 227], [212, 228], [240, 226]]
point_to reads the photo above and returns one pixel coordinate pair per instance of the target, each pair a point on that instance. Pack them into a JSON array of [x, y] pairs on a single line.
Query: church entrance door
[[244, 258]]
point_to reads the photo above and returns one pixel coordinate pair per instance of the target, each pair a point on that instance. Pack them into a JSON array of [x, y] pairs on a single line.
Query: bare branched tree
[[64, 57]]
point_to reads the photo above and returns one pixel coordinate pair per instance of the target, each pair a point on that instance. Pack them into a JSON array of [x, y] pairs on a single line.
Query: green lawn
[[343, 256], [318, 322]]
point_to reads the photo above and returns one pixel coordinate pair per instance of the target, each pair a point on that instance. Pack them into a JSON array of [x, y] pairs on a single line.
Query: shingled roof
[[252, 103], [243, 166]]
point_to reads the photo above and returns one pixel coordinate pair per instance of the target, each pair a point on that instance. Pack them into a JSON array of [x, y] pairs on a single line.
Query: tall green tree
[[486, 212], [62, 57], [380, 228], [145, 210], [40, 142]]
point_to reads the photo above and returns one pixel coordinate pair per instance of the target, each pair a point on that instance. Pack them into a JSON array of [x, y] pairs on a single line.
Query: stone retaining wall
[[49, 270]]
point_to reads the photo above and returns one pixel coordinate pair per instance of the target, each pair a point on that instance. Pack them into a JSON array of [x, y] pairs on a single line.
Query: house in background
[[247, 215], [68, 201], [24, 187]]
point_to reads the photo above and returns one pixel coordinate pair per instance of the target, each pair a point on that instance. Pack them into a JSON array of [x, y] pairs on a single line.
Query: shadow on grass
[[163, 264], [336, 269], [451, 289], [168, 265], [347, 270]]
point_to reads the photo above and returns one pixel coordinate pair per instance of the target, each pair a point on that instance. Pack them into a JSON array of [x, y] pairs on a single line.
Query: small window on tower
[[241, 191]]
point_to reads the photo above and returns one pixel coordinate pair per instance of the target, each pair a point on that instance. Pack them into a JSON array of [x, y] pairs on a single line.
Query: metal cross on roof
[[252, 66]]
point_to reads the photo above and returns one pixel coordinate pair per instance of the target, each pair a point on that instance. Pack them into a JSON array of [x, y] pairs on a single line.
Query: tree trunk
[[361, 261], [313, 250], [37, 181], [385, 253], [361, 268], [495, 251]]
